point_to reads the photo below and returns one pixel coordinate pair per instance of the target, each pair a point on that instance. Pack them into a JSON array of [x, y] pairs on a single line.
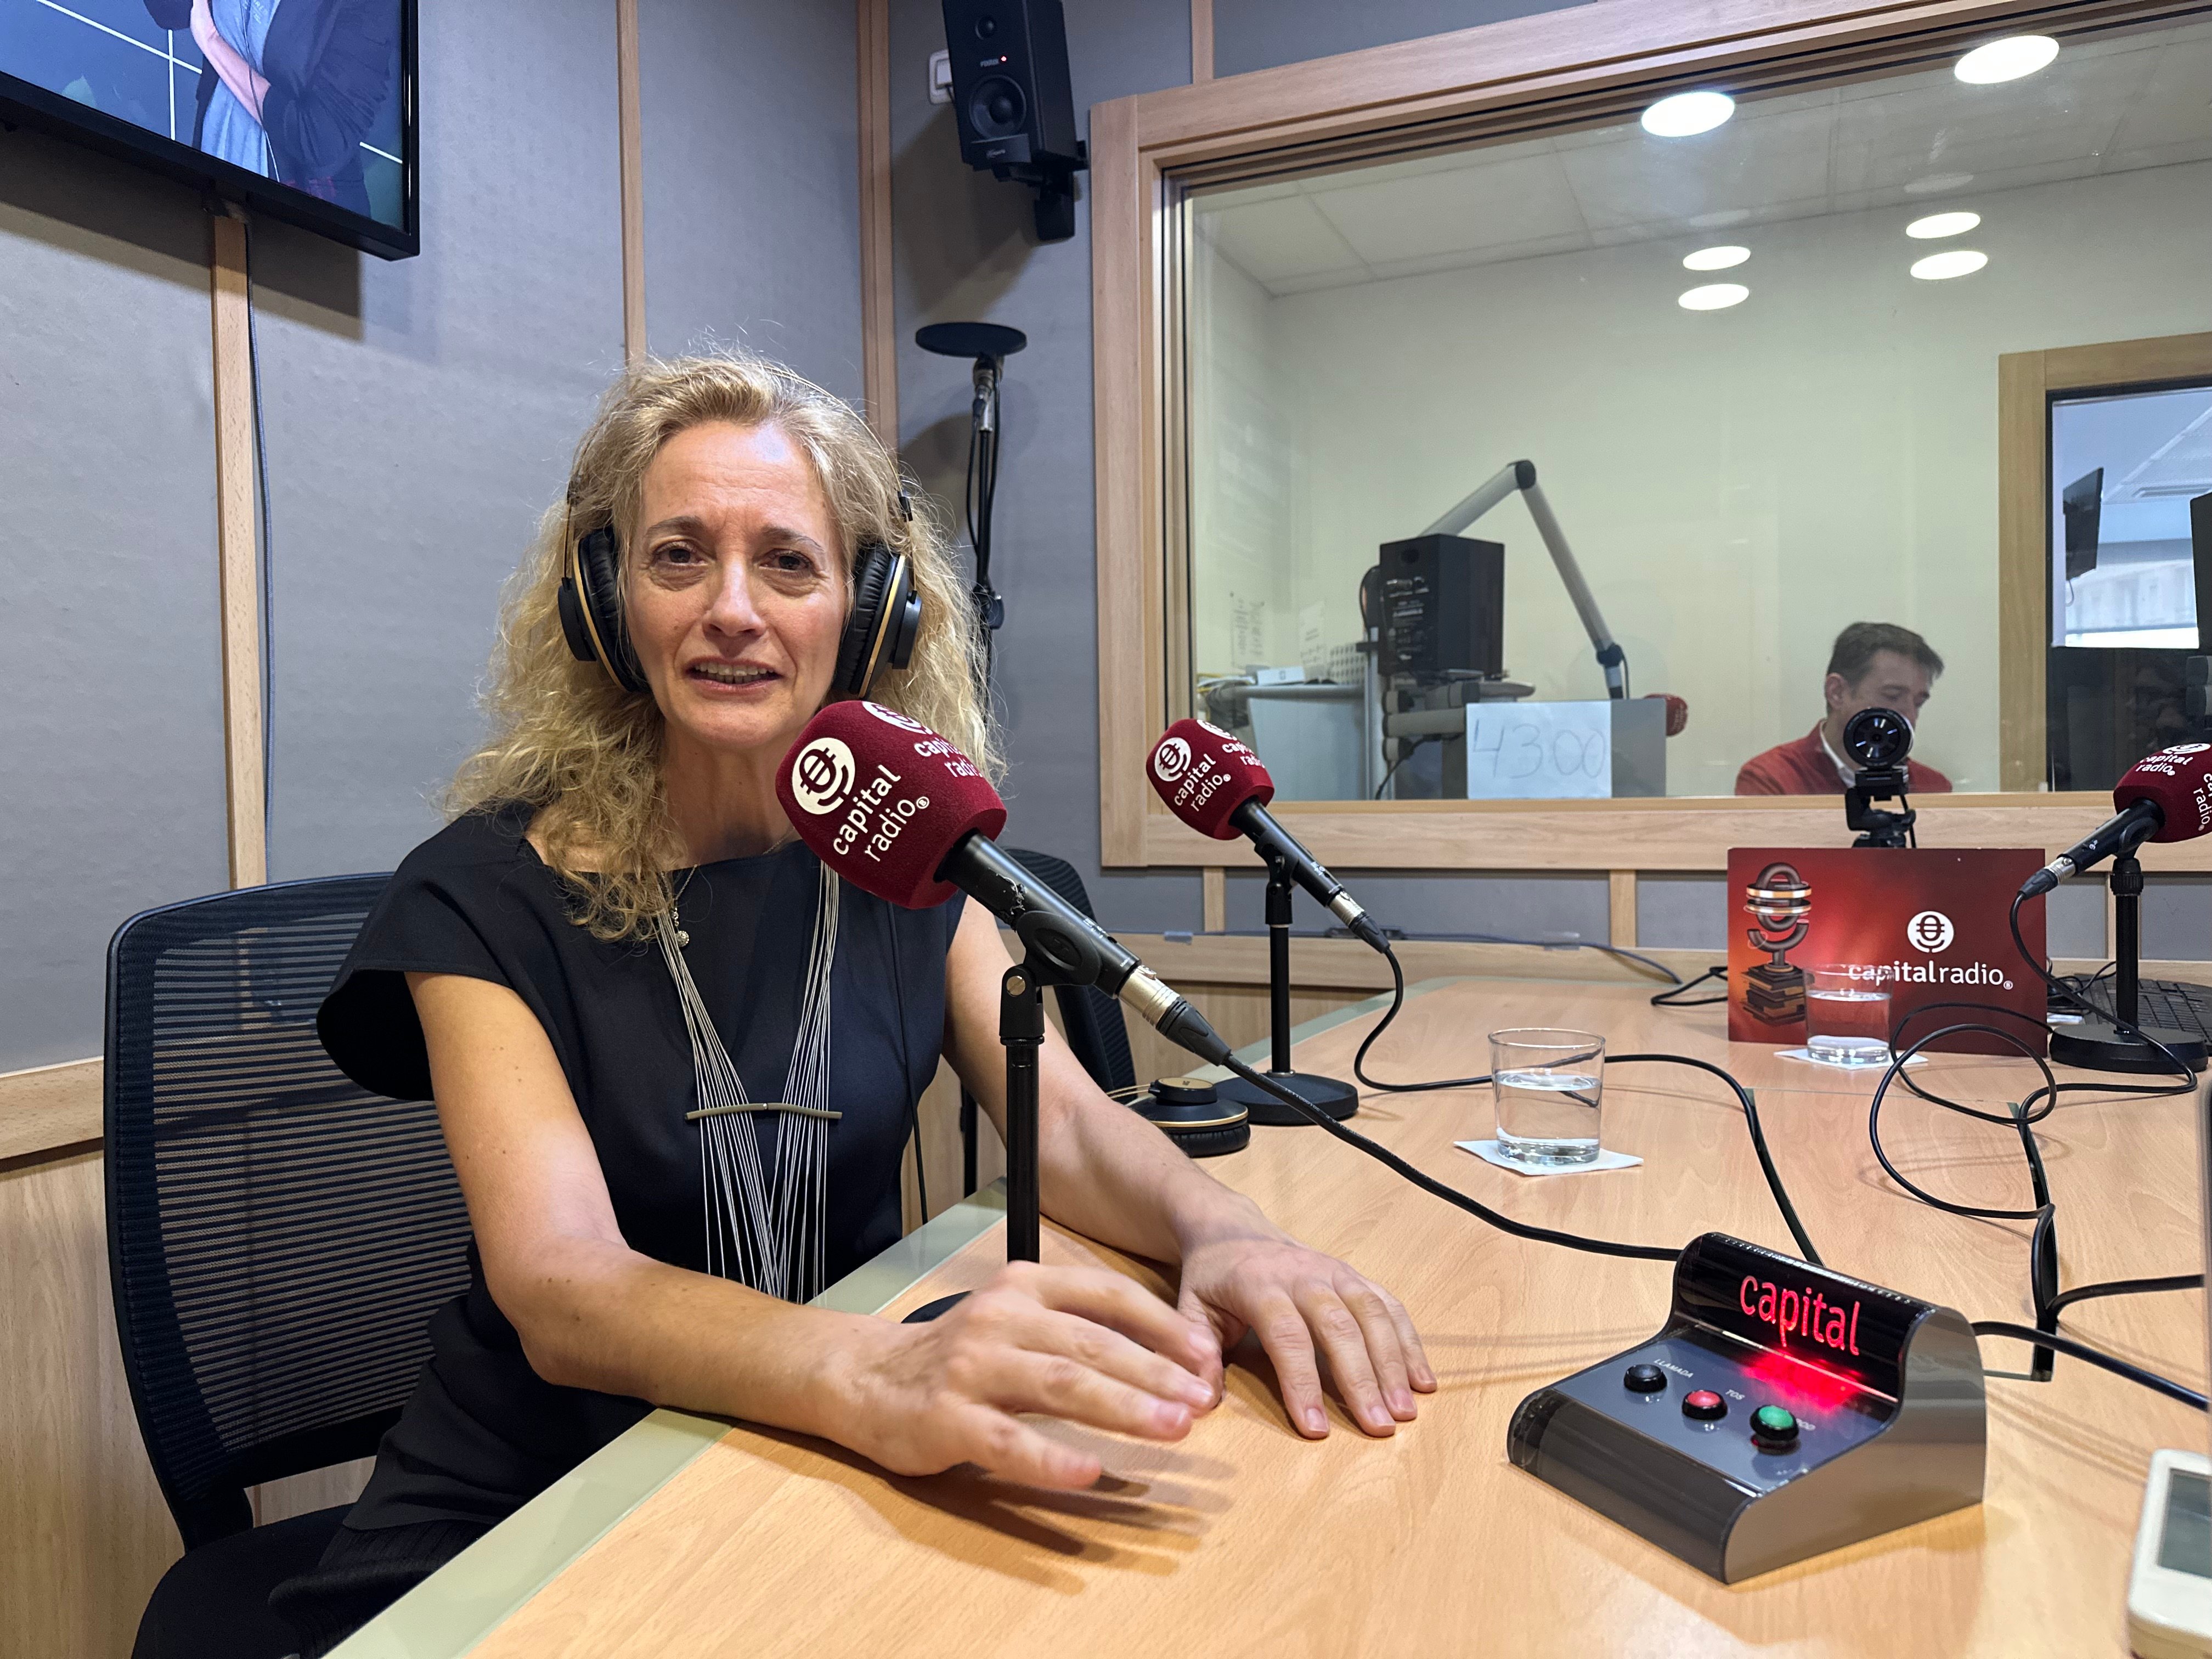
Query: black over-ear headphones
[[880, 633]]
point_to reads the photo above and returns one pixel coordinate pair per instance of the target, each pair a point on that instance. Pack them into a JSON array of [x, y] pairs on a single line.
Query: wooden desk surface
[[1245, 1537]]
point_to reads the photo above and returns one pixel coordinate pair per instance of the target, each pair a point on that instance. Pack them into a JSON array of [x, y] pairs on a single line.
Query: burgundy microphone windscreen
[[882, 798], [2180, 781], [1678, 711], [1204, 774]]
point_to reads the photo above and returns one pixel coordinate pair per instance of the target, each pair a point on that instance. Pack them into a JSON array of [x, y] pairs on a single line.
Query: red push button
[[1704, 1405]]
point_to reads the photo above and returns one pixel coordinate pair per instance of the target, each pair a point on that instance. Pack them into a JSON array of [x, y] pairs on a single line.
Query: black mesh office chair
[[277, 1238], [1091, 1019]]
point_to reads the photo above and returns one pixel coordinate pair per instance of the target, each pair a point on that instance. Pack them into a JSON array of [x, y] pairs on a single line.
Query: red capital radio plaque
[[1928, 924]]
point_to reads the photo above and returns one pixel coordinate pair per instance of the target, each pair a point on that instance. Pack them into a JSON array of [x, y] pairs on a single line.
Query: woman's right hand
[[1082, 1343]]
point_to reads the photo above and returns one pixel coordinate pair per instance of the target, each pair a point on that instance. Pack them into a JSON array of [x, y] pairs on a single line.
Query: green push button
[[1773, 1428]]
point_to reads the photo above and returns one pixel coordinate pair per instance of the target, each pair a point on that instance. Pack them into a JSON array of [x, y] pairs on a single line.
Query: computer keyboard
[[2171, 1005], [2176, 1006]]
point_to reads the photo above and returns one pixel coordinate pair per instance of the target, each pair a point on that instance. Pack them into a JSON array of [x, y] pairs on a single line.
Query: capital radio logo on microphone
[[2186, 748], [892, 717], [1170, 760], [1929, 931], [822, 775]]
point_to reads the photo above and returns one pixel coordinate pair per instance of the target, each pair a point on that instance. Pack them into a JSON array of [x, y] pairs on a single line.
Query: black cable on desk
[[1758, 1142], [2042, 1242], [2123, 1287], [1518, 1228], [1397, 1002], [1430, 1184], [2088, 1355], [1677, 997]]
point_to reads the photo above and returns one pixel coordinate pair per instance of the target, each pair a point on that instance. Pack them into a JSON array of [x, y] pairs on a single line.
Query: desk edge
[[454, 1609]]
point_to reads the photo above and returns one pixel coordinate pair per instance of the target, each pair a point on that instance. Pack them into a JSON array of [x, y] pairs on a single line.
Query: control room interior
[[1458, 433]]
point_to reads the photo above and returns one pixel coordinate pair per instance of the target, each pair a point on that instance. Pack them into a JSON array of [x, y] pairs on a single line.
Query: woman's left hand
[[1296, 1299]]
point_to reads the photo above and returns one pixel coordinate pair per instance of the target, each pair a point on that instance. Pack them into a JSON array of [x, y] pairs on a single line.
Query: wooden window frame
[[1521, 75], [2026, 381]]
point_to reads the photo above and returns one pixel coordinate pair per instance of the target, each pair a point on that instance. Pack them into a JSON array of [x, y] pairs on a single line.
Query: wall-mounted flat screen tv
[[302, 109]]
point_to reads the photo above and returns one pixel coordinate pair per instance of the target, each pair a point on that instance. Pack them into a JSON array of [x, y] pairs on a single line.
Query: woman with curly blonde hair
[[676, 1060]]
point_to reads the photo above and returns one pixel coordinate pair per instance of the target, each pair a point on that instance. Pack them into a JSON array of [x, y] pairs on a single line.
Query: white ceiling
[[2136, 101]]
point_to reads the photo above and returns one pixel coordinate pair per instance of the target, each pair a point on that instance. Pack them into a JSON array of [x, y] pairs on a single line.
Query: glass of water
[[1547, 1084], [1846, 1015]]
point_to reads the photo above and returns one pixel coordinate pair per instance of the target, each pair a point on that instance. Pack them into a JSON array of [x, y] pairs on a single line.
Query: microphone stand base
[[2095, 1046], [1339, 1100]]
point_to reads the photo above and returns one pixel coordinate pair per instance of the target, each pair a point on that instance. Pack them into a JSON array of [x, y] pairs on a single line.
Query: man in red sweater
[[1874, 665]]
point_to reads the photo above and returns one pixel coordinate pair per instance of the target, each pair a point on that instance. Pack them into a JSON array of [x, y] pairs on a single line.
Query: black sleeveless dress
[[483, 1433]]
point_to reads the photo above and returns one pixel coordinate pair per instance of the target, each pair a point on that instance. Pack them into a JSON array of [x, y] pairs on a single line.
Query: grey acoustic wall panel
[[421, 416], [111, 745], [752, 211], [967, 252]]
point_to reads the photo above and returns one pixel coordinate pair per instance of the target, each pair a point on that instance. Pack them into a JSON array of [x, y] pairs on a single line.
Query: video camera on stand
[[1878, 741]]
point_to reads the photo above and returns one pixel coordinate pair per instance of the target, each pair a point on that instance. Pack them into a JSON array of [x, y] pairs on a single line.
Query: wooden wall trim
[[1128, 591], [1201, 40], [1620, 907], [1607, 57], [1609, 836], [50, 1111], [630, 145], [2023, 591], [237, 544], [878, 318], [1611, 45]]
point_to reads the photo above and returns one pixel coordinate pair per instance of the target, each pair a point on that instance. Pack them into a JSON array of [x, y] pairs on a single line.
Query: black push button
[[1704, 1405], [1773, 1428], [1644, 1379]]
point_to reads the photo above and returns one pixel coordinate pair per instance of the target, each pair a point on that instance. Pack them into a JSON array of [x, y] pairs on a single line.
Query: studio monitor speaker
[[1010, 96]]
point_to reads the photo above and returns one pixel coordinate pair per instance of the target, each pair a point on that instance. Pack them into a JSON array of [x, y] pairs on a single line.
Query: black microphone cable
[[2047, 1300], [1679, 997], [1428, 1183], [1744, 1100]]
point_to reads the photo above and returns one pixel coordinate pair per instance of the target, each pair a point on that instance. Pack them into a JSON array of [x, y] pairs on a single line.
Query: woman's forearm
[[1109, 1174], [597, 1315]]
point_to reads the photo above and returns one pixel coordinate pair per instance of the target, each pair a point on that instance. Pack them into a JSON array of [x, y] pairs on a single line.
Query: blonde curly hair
[[585, 754]]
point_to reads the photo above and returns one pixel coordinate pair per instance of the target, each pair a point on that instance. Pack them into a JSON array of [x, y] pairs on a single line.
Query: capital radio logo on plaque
[[1925, 925], [1929, 931], [1171, 760], [892, 717], [822, 776]]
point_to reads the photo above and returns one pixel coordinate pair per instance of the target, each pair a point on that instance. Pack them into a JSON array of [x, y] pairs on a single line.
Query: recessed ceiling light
[[1714, 296], [1942, 224], [2006, 60], [1936, 183], [1952, 262], [1687, 113], [1714, 258]]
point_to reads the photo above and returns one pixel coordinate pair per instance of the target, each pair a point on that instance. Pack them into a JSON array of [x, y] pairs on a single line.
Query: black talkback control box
[[1783, 1410]]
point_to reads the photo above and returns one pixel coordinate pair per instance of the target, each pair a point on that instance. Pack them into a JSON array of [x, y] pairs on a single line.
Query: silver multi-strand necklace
[[765, 1230]]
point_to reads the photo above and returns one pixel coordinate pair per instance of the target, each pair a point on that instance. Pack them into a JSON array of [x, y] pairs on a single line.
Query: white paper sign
[[1540, 750]]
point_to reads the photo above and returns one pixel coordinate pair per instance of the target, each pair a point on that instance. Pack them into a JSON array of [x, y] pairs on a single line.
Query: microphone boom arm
[[1521, 475]]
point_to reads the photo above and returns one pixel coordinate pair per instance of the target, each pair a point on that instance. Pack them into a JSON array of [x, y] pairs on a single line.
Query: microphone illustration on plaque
[[1779, 903]]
